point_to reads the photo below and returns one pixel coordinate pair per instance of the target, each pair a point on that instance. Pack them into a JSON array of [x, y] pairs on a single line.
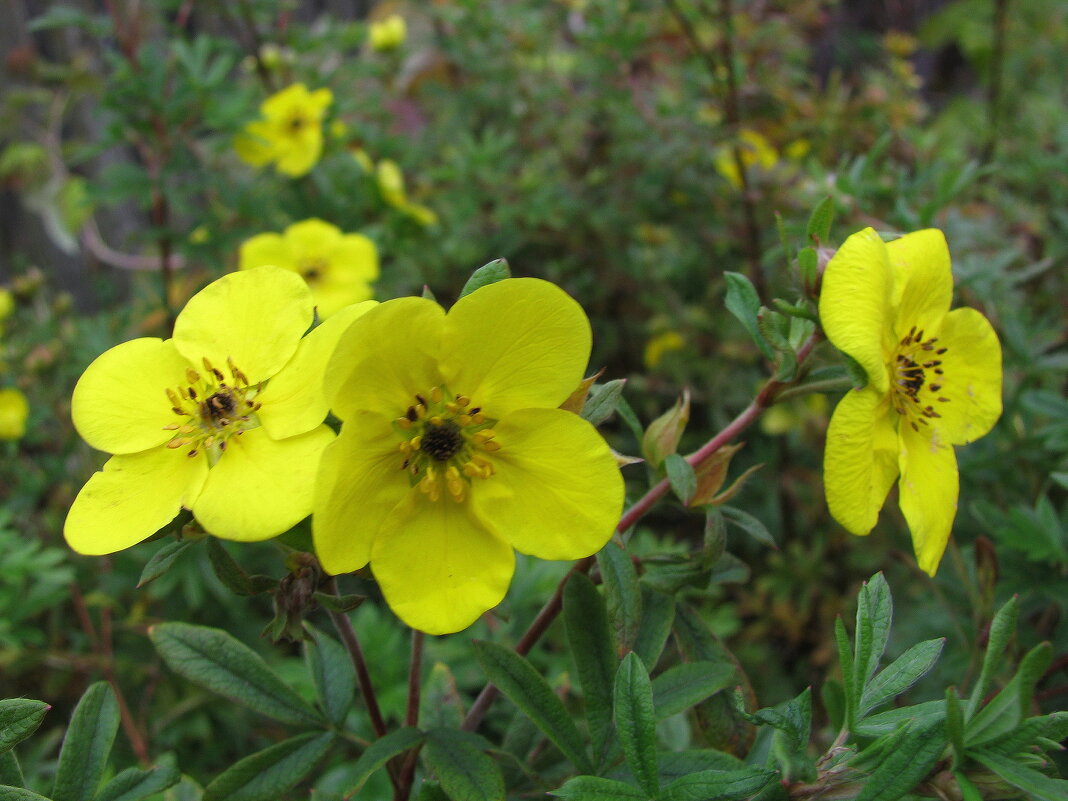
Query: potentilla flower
[[388, 33], [453, 450], [934, 381], [290, 133], [391, 186], [338, 267], [14, 411], [224, 419]]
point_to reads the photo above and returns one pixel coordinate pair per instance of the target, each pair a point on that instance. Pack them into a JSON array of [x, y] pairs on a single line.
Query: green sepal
[[603, 401], [489, 273]]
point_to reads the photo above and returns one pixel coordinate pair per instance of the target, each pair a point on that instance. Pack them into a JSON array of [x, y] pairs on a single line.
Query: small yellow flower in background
[[291, 132], [934, 381], [389, 33], [662, 344], [338, 267], [224, 419], [453, 451], [366, 163], [7, 304], [756, 152], [391, 185], [14, 411]]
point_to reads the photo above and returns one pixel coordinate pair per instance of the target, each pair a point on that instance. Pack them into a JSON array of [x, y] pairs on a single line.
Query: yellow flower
[[756, 152], [338, 267], [661, 344], [934, 381], [224, 419], [290, 133], [388, 33], [453, 450], [7, 304], [14, 410], [391, 185]]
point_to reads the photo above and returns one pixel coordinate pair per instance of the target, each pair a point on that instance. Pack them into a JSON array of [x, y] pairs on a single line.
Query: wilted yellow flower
[[290, 133], [338, 267], [453, 451], [756, 151], [14, 411], [934, 381], [388, 33], [224, 419], [391, 185]]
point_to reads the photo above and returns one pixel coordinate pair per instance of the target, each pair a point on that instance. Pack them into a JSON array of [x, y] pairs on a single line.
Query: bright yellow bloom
[[338, 267], [14, 410], [388, 33], [934, 381], [391, 186], [290, 133], [756, 151], [453, 450], [224, 419]]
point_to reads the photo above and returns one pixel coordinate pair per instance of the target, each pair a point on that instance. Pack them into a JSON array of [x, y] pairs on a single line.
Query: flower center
[[918, 378], [212, 409], [444, 443], [312, 267]]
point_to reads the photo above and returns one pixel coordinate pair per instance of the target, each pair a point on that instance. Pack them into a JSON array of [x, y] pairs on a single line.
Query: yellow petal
[[854, 303], [861, 459], [360, 480], [260, 487], [299, 155], [923, 282], [438, 568], [120, 403], [331, 297], [264, 249], [928, 495], [385, 358], [515, 344], [971, 378], [14, 410], [312, 238], [557, 492], [293, 401], [132, 498], [355, 257], [253, 145], [256, 317]]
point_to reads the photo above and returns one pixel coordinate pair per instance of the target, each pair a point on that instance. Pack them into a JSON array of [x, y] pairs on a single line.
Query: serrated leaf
[[658, 613], [86, 745], [1038, 785], [162, 560], [527, 689], [900, 674], [603, 401], [636, 722], [622, 595], [819, 224], [378, 753], [590, 642], [743, 302], [267, 774], [19, 718], [465, 772], [332, 672], [750, 525], [490, 273], [906, 764], [19, 794], [718, 785], [134, 784], [217, 661], [440, 702], [684, 685], [682, 477], [1002, 628], [593, 788]]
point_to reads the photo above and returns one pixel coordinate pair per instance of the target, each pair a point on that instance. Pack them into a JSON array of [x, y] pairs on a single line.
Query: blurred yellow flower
[[389, 33], [338, 267], [225, 419], [453, 451], [391, 185], [756, 151], [661, 344], [934, 381], [290, 133], [365, 161], [14, 411], [7, 304]]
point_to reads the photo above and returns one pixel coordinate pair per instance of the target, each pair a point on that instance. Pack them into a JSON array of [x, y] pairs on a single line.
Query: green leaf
[[18, 794], [265, 775], [900, 674], [162, 560], [718, 785], [590, 643], [658, 613], [332, 672], [218, 662], [681, 475], [378, 753], [750, 525], [927, 713], [875, 611], [1007, 709], [743, 302], [1038, 785], [86, 746], [628, 416], [622, 595], [955, 724], [905, 764], [337, 603], [845, 661], [490, 273], [527, 689], [687, 684], [134, 784], [10, 772], [1052, 727], [808, 264], [465, 772], [440, 703], [227, 570], [603, 401], [819, 224], [1002, 629], [636, 722], [592, 788], [19, 718]]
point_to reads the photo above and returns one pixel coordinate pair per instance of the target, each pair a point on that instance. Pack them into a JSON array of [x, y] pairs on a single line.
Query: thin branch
[[95, 244], [411, 718]]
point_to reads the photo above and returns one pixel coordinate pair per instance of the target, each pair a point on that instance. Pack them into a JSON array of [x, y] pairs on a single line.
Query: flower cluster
[[290, 133]]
